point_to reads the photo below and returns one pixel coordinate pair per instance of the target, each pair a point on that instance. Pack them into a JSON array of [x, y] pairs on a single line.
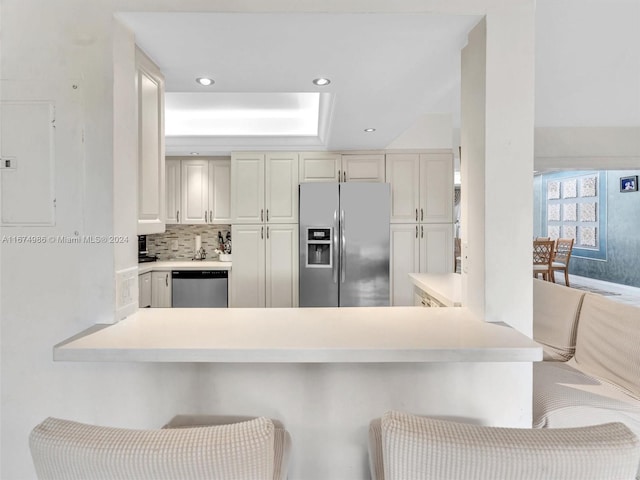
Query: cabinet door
[[281, 188], [144, 290], [195, 191], [320, 167], [281, 266], [363, 168], [404, 260], [173, 189], [247, 188], [436, 248], [248, 287], [161, 289], [220, 191], [436, 188], [150, 112], [403, 173]]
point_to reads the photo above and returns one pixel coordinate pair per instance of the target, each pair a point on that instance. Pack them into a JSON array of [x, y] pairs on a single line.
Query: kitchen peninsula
[[326, 372]]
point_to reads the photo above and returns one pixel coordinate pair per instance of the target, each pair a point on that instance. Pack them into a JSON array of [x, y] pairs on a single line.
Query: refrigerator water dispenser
[[319, 249]]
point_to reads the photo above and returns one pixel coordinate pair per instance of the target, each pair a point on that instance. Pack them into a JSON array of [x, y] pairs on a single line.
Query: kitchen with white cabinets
[[253, 198]]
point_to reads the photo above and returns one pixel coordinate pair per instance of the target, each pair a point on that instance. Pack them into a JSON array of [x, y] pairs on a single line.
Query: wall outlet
[[9, 163], [465, 257], [174, 245], [126, 292]]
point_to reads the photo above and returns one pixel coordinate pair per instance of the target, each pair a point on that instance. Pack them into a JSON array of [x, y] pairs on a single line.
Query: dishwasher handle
[[177, 274]]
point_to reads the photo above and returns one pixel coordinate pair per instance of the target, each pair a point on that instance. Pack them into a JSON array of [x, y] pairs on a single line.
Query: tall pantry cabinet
[[421, 218], [264, 218]]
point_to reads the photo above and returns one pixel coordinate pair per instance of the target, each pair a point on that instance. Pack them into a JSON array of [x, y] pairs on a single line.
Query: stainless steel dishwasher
[[199, 288]]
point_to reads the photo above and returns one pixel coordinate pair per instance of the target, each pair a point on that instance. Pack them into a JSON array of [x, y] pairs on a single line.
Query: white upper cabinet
[[436, 188], [421, 187], [150, 117], [220, 191], [264, 188], [247, 188], [363, 168], [336, 167], [173, 190], [403, 173], [320, 167], [281, 188], [195, 192], [198, 191]]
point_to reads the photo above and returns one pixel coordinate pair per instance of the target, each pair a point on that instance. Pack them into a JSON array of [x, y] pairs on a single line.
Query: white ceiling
[[386, 70]]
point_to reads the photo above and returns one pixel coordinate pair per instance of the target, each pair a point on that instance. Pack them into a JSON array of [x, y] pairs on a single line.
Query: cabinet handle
[[267, 220], [416, 231], [210, 216], [262, 214], [267, 232], [421, 214], [416, 214], [421, 231], [177, 216], [344, 175], [166, 279], [262, 232], [339, 172]]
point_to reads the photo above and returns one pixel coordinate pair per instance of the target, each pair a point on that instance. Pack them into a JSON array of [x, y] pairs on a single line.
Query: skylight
[[241, 114]]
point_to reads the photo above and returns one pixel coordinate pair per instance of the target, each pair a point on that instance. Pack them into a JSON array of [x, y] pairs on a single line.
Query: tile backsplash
[[178, 242]]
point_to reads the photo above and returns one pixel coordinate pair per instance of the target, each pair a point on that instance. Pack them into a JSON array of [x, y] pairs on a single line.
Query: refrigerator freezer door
[[319, 209], [364, 254]]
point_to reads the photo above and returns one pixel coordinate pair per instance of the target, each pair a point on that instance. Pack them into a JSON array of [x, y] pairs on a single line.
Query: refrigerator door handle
[[343, 248], [336, 257]]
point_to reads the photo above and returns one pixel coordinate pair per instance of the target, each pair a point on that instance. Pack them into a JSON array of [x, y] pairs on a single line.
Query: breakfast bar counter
[[327, 372], [309, 335]]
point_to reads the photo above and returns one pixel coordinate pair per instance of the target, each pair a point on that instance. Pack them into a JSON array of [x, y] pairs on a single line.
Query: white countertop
[[301, 335], [165, 265], [444, 287]]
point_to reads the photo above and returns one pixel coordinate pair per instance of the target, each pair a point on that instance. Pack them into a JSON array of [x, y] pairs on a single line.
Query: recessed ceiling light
[[195, 153], [321, 82], [369, 130], [205, 81]]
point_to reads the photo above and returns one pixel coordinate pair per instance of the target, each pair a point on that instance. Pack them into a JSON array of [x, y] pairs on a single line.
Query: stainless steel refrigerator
[[344, 244]]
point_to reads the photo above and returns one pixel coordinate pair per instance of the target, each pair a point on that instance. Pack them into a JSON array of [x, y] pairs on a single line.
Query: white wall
[[496, 167], [52, 291], [429, 131], [587, 84]]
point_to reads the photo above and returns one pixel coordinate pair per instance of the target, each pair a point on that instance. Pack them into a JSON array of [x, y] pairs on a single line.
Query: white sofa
[[600, 382]]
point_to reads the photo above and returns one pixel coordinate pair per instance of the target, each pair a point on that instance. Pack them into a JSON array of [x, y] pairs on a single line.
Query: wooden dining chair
[[560, 261], [542, 257]]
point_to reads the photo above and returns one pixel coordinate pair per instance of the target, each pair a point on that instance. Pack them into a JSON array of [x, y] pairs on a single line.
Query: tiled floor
[[625, 294]]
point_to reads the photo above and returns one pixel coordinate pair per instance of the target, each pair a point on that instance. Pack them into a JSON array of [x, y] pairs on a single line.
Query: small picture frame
[[629, 184]]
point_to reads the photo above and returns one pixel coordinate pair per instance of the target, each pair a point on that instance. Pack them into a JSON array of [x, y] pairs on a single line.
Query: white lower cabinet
[[161, 289], [418, 248], [405, 259], [144, 290], [265, 266]]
